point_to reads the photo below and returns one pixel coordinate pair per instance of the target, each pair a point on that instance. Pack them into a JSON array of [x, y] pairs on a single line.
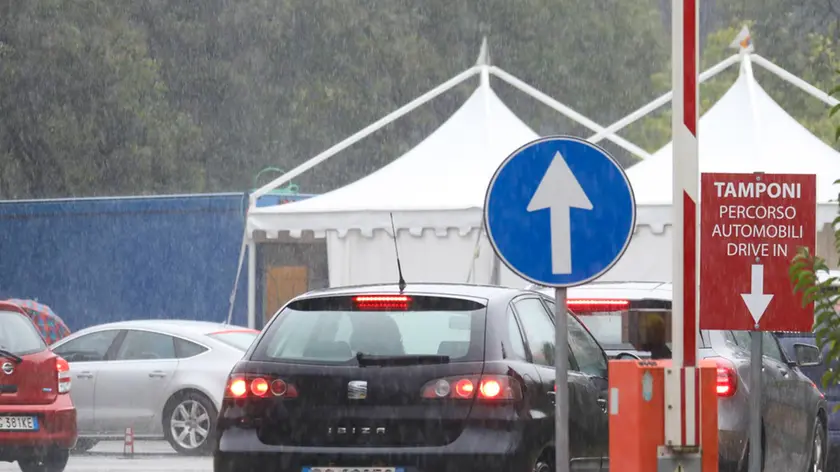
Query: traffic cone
[[128, 443]]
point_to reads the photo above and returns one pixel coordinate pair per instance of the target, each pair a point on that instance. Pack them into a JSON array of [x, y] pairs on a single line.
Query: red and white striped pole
[[681, 381]]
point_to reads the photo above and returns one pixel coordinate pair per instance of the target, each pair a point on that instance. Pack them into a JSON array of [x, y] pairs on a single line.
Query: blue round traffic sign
[[560, 211]]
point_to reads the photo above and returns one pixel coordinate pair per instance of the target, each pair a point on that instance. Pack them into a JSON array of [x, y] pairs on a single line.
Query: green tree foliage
[[127, 97], [166, 96], [811, 278]]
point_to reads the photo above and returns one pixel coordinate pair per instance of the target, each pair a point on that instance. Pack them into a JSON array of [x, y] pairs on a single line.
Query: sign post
[[751, 226], [682, 428], [560, 212]]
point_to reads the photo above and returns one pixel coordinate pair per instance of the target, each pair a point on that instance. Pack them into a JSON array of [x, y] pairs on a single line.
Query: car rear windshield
[[621, 325], [334, 330], [239, 339], [18, 335]]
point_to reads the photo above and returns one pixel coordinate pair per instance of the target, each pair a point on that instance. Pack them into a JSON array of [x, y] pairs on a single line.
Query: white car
[[163, 378]]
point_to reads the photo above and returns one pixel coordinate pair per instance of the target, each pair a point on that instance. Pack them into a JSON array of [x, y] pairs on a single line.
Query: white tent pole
[[790, 78], [370, 129], [232, 299], [567, 111], [662, 100], [252, 284]]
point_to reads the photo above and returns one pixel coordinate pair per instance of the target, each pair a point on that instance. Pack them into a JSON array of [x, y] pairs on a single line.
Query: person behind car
[[655, 339]]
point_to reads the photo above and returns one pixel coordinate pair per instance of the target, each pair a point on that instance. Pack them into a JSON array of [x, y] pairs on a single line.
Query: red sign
[[751, 226]]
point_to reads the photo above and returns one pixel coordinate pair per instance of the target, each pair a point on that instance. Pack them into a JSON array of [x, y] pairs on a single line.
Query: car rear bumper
[[56, 428], [731, 448], [476, 449]]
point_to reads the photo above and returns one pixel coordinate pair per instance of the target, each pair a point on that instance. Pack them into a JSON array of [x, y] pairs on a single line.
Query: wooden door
[[282, 283]]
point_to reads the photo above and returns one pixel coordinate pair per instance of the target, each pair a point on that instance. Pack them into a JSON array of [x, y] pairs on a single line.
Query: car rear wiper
[[11, 355], [409, 359]]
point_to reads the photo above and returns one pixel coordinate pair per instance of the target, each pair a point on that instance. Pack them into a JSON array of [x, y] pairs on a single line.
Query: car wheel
[[54, 461], [818, 449], [84, 445], [190, 423], [544, 463]]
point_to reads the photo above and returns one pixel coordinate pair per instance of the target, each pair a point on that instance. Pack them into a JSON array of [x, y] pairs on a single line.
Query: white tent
[[745, 131], [435, 193]]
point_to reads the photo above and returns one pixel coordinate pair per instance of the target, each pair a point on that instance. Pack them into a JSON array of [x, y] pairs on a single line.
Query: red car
[[37, 416]]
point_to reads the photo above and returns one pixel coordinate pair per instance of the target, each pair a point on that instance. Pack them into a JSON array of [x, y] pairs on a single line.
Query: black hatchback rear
[[375, 379]]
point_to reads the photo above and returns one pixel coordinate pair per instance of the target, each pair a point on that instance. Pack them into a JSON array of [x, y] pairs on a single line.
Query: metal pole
[[572, 114], [681, 427], [370, 129], [252, 284], [561, 368], [755, 400]]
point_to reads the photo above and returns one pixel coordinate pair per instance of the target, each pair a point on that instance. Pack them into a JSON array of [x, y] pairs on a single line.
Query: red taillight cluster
[[727, 379], [62, 369], [487, 387], [382, 302], [585, 305], [246, 386]]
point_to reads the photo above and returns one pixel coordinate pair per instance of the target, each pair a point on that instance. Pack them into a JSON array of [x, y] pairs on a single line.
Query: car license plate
[[353, 469], [18, 423]]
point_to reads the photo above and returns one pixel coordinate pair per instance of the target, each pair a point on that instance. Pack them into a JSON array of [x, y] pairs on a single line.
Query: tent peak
[[483, 54], [743, 41]]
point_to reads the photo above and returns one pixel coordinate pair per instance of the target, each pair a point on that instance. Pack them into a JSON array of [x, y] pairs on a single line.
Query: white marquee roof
[[745, 131], [438, 184]]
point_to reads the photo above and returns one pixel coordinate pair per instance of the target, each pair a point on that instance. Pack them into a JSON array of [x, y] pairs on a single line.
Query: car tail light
[[589, 305], [62, 369], [382, 302], [485, 387], [727, 379], [246, 386]]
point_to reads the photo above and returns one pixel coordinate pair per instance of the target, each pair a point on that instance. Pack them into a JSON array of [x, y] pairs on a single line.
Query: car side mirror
[[807, 355]]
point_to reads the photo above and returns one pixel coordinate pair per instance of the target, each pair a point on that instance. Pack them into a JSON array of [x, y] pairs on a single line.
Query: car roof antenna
[[397, 252]]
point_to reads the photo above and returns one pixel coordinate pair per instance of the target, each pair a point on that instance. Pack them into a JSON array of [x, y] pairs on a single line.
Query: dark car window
[[18, 335], [515, 345], [770, 347], [145, 345], [538, 328], [87, 348], [588, 354], [185, 349], [743, 339], [334, 330]]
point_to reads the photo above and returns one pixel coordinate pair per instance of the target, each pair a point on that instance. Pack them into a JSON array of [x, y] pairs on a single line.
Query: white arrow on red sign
[[757, 301]]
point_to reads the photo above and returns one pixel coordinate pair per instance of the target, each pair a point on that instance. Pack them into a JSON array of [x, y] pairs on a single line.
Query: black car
[[436, 378]]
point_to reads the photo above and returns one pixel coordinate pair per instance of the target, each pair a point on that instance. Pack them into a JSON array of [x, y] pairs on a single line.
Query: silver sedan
[[162, 378]]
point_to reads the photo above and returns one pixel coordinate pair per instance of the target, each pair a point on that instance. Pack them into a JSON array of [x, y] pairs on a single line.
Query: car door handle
[[84, 375], [157, 373], [783, 372], [602, 402]]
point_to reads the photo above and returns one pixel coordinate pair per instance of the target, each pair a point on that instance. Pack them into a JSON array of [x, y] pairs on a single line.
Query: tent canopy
[[438, 184], [744, 132]]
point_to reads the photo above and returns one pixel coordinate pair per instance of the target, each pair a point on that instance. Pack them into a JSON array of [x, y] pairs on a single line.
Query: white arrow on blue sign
[[560, 211]]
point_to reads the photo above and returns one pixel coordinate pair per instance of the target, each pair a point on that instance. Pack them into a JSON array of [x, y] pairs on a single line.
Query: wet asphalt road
[[151, 456]]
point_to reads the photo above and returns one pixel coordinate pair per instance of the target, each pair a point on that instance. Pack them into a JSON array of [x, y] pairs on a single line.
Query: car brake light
[[727, 380], [382, 302], [485, 387], [240, 387], [588, 305], [259, 387], [62, 368]]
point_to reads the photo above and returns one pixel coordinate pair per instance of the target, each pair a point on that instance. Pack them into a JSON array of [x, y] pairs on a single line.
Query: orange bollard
[[128, 442], [637, 414]]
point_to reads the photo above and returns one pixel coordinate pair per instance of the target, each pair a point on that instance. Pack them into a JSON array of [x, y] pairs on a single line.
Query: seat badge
[[357, 390]]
